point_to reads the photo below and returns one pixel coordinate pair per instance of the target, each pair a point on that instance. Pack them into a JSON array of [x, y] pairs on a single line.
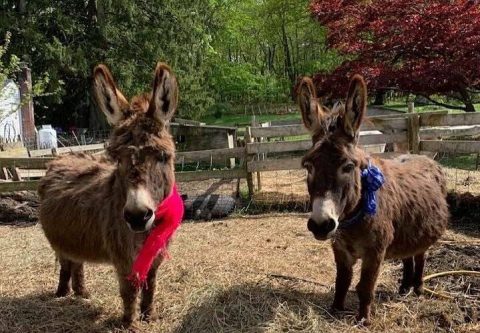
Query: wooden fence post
[[248, 158], [26, 108], [413, 130]]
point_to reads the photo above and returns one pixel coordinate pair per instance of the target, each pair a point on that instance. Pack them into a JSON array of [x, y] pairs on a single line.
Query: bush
[[220, 109]]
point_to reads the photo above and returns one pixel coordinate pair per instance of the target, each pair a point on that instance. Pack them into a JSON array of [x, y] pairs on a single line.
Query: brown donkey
[[101, 209], [412, 212]]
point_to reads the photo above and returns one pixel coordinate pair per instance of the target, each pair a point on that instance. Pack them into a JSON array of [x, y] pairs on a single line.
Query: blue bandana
[[372, 180]]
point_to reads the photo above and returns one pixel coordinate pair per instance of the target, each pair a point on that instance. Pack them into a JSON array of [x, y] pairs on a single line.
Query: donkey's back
[[415, 198]]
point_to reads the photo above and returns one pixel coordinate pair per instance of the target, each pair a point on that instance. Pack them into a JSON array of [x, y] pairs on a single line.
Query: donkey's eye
[[348, 168]]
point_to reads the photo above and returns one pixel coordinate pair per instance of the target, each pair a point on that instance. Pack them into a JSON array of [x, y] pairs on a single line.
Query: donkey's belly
[[75, 239], [415, 238]]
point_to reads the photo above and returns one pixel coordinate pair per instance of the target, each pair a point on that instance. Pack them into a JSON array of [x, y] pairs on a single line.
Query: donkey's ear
[[109, 99], [355, 107], [312, 113], [165, 94]]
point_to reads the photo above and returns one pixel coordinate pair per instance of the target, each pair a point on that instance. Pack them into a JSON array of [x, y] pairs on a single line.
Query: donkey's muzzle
[[139, 220], [321, 230]]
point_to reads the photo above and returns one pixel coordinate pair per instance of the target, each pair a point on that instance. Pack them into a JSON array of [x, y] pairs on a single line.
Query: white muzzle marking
[[139, 199], [324, 209]]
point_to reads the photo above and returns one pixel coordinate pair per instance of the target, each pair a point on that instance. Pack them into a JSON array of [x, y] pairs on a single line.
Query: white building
[[10, 113]]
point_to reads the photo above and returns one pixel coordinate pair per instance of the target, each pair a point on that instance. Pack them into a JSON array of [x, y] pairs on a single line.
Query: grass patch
[[464, 162]]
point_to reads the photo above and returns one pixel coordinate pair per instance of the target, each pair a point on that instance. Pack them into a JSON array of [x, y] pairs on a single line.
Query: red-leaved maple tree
[[423, 47]]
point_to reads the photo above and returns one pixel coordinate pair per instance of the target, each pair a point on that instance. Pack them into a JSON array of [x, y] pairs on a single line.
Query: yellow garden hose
[[444, 295]]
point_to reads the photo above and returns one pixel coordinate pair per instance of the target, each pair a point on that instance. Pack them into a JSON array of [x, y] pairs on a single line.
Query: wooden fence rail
[[416, 132]]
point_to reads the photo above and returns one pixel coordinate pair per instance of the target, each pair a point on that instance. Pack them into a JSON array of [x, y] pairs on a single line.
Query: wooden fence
[[277, 148]]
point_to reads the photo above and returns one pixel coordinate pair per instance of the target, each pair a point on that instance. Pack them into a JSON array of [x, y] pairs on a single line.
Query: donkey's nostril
[[138, 219], [148, 215], [330, 225], [321, 230], [312, 226]]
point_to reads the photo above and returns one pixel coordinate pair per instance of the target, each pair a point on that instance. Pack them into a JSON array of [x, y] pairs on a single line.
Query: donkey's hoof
[[337, 308], [404, 290], [418, 290], [127, 321], [83, 294], [148, 317], [363, 321], [62, 292]]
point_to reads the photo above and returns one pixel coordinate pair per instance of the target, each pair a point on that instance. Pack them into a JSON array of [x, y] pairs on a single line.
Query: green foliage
[[8, 65], [221, 50], [67, 38], [264, 46], [218, 110], [9, 69], [240, 83]]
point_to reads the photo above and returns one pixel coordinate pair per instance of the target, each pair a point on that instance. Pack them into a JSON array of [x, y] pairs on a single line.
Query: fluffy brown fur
[[83, 198], [412, 210]]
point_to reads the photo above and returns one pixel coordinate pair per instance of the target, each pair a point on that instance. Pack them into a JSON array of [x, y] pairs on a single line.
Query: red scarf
[[168, 217]]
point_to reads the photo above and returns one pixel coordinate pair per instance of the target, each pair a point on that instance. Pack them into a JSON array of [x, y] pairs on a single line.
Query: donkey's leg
[[129, 294], [64, 280], [148, 292], [407, 279], [366, 286], [418, 275], [78, 280], [344, 262]]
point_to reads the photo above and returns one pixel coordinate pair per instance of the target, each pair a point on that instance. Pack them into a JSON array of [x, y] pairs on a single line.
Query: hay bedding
[[255, 274]]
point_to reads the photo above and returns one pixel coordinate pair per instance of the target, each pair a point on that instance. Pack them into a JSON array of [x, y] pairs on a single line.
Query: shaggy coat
[[100, 209], [412, 212]]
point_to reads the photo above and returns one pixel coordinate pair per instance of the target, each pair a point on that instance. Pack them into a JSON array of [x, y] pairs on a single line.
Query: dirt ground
[[243, 274]]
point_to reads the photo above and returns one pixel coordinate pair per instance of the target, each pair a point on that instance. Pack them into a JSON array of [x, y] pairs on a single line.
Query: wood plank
[[460, 147], [206, 155], [40, 152], [15, 152], [376, 139], [25, 185], [180, 177], [302, 145], [449, 119], [189, 176], [16, 176], [65, 150], [278, 147], [414, 133], [275, 131], [25, 162], [398, 123], [378, 123], [32, 173], [294, 163], [431, 133], [249, 158]]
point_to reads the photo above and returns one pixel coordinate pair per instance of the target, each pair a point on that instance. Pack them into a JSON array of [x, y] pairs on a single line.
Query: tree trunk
[[288, 60], [466, 99], [379, 97], [92, 11], [22, 6], [469, 107]]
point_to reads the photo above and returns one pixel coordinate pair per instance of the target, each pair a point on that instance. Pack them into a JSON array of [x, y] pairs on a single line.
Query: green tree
[[265, 45], [66, 38]]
